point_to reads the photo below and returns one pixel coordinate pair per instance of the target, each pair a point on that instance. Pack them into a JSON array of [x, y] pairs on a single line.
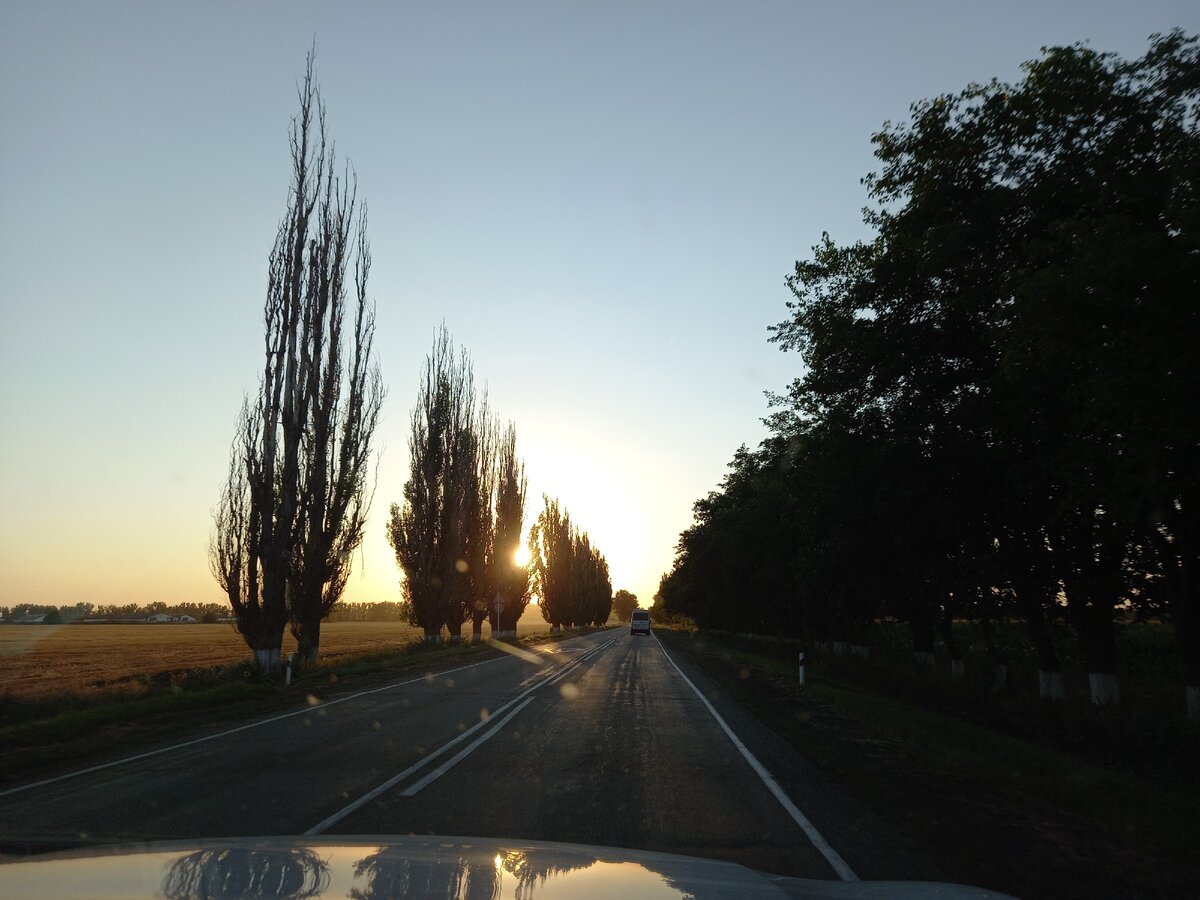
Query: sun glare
[[521, 555]]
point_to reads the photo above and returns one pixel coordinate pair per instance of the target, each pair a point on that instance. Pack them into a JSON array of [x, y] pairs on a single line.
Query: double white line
[[489, 723]]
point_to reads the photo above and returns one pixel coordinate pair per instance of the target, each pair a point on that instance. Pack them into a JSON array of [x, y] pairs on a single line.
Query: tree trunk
[[477, 629], [1035, 574], [1050, 678], [998, 660], [308, 638], [923, 628], [1186, 599], [268, 661], [956, 661], [272, 634], [1101, 658], [1093, 589]]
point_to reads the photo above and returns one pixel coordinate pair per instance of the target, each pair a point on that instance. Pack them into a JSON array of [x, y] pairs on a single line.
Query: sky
[[601, 200]]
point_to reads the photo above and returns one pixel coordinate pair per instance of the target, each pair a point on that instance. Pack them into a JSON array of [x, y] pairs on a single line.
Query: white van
[[640, 623]]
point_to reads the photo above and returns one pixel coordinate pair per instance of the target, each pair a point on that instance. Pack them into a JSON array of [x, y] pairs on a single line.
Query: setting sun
[[521, 555]]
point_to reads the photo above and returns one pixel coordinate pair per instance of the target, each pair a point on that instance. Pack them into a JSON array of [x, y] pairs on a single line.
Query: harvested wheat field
[[48, 660]]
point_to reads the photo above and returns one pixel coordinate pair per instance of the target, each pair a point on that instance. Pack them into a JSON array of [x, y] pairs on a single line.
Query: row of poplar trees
[[571, 575], [457, 533], [297, 493], [1000, 416]]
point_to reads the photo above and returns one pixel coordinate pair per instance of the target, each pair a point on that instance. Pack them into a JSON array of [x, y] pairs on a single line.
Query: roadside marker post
[[802, 667]]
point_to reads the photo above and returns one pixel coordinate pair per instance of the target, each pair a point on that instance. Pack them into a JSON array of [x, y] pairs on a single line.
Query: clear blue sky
[[600, 199]]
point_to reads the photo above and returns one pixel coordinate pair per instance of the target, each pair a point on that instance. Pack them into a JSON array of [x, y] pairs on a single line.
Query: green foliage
[[435, 533], [569, 575], [998, 409], [624, 603], [512, 580]]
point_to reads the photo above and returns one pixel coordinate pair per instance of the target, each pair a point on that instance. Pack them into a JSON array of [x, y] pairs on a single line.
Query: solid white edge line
[[834, 859], [226, 733], [462, 754], [366, 798]]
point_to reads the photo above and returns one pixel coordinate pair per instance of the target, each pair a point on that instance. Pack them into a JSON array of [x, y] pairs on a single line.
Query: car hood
[[455, 868]]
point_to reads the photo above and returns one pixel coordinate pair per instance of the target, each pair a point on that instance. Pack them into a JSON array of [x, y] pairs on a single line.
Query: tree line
[[89, 612], [380, 611], [571, 576], [297, 491], [998, 416], [457, 532]]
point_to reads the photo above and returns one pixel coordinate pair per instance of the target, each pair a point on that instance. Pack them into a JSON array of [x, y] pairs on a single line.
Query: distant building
[[185, 620], [32, 619], [158, 618]]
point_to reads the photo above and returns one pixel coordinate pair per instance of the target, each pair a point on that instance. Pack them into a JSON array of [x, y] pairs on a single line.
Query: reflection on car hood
[[416, 866]]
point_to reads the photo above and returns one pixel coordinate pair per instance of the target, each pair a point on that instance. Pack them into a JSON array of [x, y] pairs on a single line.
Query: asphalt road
[[600, 739]]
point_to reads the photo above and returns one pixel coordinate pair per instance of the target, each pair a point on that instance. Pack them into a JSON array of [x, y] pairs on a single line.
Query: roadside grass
[[1146, 733], [1005, 811], [1148, 664]]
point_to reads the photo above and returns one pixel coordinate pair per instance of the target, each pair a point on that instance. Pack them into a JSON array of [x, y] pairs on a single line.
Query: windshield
[[369, 371]]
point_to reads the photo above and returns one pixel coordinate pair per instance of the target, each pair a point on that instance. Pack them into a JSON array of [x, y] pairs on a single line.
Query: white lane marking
[[839, 865], [221, 734], [462, 754], [366, 798], [572, 666], [396, 779]]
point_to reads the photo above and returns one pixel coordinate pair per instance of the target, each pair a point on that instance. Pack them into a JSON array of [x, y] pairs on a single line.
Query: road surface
[[601, 739]]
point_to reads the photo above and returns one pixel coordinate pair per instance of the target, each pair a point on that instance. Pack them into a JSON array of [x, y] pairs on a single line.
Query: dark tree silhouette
[[432, 532], [570, 576], [624, 603], [511, 579], [998, 412], [296, 495]]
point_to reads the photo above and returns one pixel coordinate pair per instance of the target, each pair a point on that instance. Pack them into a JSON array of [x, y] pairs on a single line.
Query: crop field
[[39, 661]]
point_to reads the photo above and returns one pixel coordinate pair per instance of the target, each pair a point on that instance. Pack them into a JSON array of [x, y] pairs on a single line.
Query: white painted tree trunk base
[[861, 650], [1105, 688], [1051, 687], [1193, 702], [839, 648], [925, 659], [267, 660], [957, 670]]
